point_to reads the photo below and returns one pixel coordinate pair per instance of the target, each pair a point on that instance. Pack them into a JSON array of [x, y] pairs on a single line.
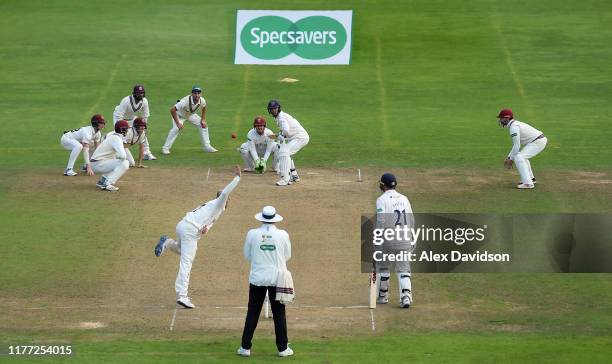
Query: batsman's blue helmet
[[388, 180], [273, 104]]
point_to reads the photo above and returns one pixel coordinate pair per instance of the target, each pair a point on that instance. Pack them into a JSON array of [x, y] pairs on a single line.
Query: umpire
[[268, 249]]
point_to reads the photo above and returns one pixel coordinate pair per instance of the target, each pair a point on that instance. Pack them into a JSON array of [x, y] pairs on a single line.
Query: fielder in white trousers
[[194, 119], [521, 159], [531, 139]]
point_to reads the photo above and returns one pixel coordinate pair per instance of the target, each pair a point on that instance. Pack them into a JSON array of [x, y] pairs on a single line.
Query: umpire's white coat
[[266, 248]]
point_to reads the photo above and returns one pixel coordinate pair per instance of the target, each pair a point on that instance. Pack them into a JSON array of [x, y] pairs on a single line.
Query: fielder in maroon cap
[[531, 139]]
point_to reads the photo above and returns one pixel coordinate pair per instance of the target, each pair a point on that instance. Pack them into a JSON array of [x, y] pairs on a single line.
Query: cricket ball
[[233, 135]]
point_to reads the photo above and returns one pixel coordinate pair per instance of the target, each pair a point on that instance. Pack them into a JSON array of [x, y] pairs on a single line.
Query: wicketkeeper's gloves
[[260, 166]]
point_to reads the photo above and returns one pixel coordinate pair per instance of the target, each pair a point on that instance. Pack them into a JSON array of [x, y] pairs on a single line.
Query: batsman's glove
[[260, 166]]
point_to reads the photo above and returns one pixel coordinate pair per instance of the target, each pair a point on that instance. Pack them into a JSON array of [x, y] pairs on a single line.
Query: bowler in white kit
[[188, 231], [533, 142]]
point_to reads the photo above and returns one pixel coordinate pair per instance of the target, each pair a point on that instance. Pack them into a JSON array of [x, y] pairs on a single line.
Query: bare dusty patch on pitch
[[91, 325], [322, 214]]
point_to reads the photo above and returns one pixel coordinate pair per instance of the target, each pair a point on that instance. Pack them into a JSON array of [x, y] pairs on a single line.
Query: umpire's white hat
[[268, 214]]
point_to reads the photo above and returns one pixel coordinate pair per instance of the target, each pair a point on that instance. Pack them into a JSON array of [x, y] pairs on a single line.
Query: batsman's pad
[[284, 160], [260, 166]]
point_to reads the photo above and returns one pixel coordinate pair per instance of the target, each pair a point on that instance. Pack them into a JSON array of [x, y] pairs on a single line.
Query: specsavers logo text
[[276, 39]]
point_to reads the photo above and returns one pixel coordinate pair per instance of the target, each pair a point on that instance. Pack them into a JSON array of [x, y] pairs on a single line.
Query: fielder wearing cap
[[532, 140], [189, 231], [268, 249], [187, 109]]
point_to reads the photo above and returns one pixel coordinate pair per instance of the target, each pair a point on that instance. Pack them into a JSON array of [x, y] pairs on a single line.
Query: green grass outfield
[[425, 83], [393, 346]]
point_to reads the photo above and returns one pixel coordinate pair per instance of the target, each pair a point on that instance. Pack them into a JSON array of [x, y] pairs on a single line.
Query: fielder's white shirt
[[131, 137], [392, 209], [208, 213], [85, 135], [521, 134], [187, 106], [260, 144], [289, 126], [268, 249], [111, 148], [129, 109]]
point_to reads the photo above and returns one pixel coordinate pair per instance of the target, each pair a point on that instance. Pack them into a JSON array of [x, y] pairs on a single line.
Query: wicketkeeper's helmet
[[388, 180], [259, 121]]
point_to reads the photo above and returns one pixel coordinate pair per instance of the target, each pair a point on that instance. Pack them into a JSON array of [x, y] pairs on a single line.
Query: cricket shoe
[[210, 149], [165, 151], [286, 352], [533, 180], [248, 170], [243, 352], [102, 183], [150, 157], [405, 301], [383, 297], [295, 177], [185, 302], [70, 173], [523, 186], [161, 246], [111, 188], [282, 182]]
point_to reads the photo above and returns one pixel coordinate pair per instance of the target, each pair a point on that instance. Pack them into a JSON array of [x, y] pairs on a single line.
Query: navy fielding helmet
[[97, 120], [273, 104], [388, 180]]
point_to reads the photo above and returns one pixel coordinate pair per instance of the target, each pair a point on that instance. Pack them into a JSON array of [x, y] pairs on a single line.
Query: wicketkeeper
[[260, 145]]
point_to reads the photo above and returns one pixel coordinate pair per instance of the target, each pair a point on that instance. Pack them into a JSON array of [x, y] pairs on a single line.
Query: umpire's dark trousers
[[257, 296]]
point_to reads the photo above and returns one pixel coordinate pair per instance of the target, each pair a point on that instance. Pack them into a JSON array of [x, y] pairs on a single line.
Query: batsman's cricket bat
[[373, 288]]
